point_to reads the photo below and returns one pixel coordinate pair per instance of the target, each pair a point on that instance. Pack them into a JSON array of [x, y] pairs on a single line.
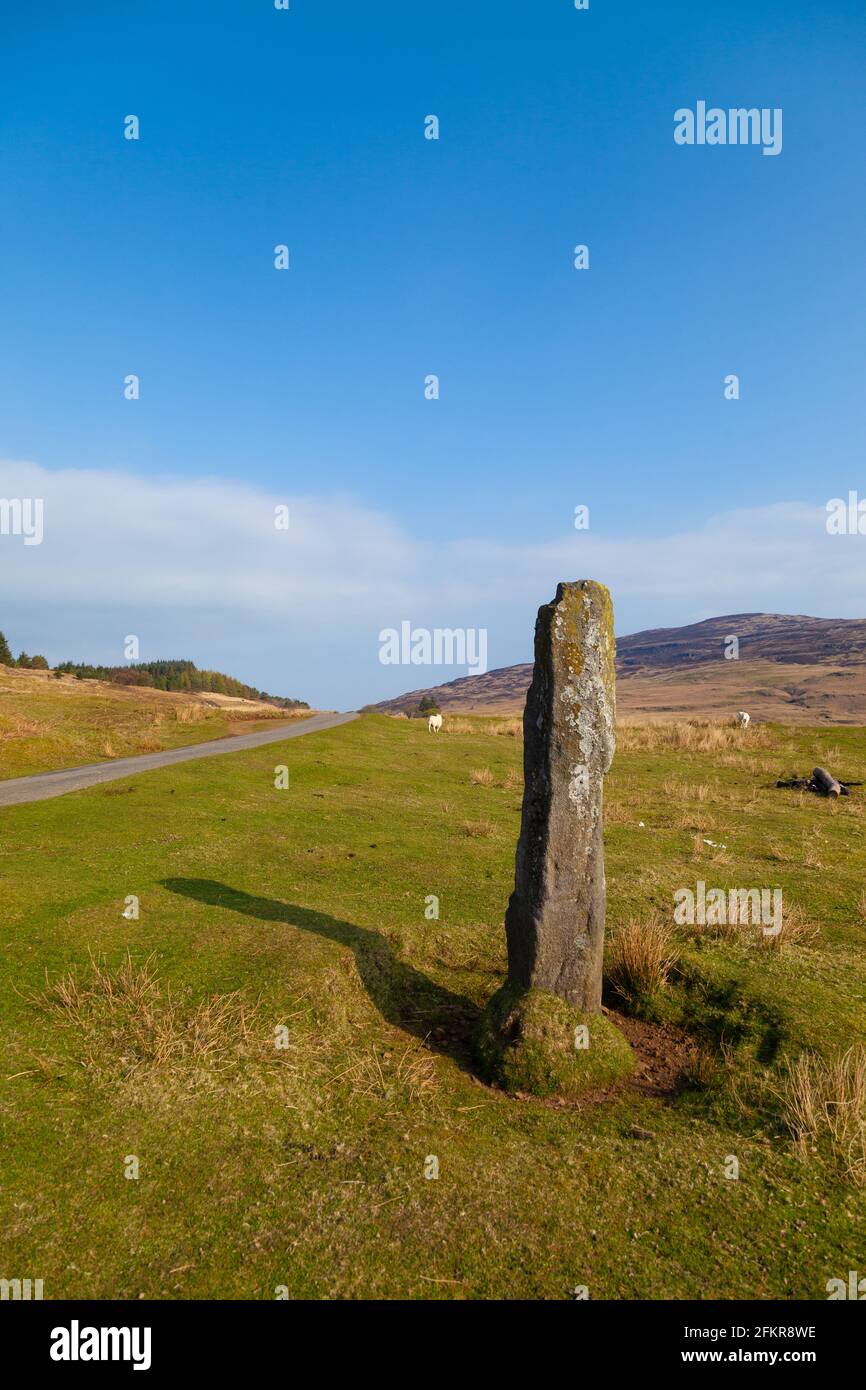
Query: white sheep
[[434, 723], [743, 719]]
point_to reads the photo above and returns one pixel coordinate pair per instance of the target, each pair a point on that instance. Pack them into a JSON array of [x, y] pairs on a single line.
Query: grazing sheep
[[743, 719], [434, 723]]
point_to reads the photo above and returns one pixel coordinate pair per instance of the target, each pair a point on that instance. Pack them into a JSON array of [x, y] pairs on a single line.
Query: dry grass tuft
[[128, 1021], [640, 958], [506, 728], [411, 1075], [478, 829], [496, 728], [694, 735], [796, 927], [676, 790], [13, 726], [481, 777], [738, 926], [192, 712], [779, 853], [824, 1102]]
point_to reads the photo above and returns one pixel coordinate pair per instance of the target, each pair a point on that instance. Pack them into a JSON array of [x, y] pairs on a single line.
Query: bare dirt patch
[[662, 1055]]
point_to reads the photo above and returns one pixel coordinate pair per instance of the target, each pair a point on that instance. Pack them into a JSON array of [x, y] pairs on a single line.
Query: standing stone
[[527, 1037], [555, 919], [544, 1032]]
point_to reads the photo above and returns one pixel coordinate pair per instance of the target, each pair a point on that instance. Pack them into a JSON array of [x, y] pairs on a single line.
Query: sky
[[411, 257]]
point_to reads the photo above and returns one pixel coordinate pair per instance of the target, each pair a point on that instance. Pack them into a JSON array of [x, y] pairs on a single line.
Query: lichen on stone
[[588, 692], [578, 785]]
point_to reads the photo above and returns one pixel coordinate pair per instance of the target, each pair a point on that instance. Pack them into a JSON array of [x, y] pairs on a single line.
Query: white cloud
[[199, 565], [125, 538], [743, 561]]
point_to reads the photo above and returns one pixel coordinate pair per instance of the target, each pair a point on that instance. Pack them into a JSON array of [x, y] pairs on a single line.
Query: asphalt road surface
[[73, 779]]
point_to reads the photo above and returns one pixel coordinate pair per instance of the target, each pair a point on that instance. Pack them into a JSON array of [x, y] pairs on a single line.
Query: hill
[[50, 720], [182, 676], [791, 668]]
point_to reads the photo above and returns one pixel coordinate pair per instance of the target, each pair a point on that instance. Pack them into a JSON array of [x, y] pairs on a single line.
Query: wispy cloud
[[197, 567]]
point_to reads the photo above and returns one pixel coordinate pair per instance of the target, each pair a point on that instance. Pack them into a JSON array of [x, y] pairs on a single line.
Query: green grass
[[303, 1166]]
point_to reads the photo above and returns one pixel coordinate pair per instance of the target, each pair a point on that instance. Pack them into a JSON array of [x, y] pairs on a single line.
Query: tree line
[[156, 675], [28, 663]]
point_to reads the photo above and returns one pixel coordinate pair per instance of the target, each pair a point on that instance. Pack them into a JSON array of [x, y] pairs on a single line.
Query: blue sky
[[411, 257]]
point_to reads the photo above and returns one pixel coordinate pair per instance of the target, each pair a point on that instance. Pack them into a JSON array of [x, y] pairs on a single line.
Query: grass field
[[302, 1167], [48, 724]]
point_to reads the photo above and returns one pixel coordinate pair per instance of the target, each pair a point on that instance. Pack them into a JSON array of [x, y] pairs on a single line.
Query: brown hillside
[[791, 668]]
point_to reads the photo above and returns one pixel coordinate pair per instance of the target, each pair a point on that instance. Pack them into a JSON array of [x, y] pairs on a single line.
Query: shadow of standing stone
[[544, 1031]]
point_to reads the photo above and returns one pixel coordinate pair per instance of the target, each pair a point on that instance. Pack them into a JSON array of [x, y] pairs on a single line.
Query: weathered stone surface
[[544, 1032], [555, 918]]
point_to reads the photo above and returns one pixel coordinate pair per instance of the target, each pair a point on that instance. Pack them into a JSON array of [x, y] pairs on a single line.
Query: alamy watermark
[[20, 1289], [22, 516], [738, 125], [715, 907], [846, 518], [855, 1288], [77, 1343], [443, 646]]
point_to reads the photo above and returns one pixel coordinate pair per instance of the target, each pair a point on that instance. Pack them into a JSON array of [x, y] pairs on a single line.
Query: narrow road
[[72, 779]]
